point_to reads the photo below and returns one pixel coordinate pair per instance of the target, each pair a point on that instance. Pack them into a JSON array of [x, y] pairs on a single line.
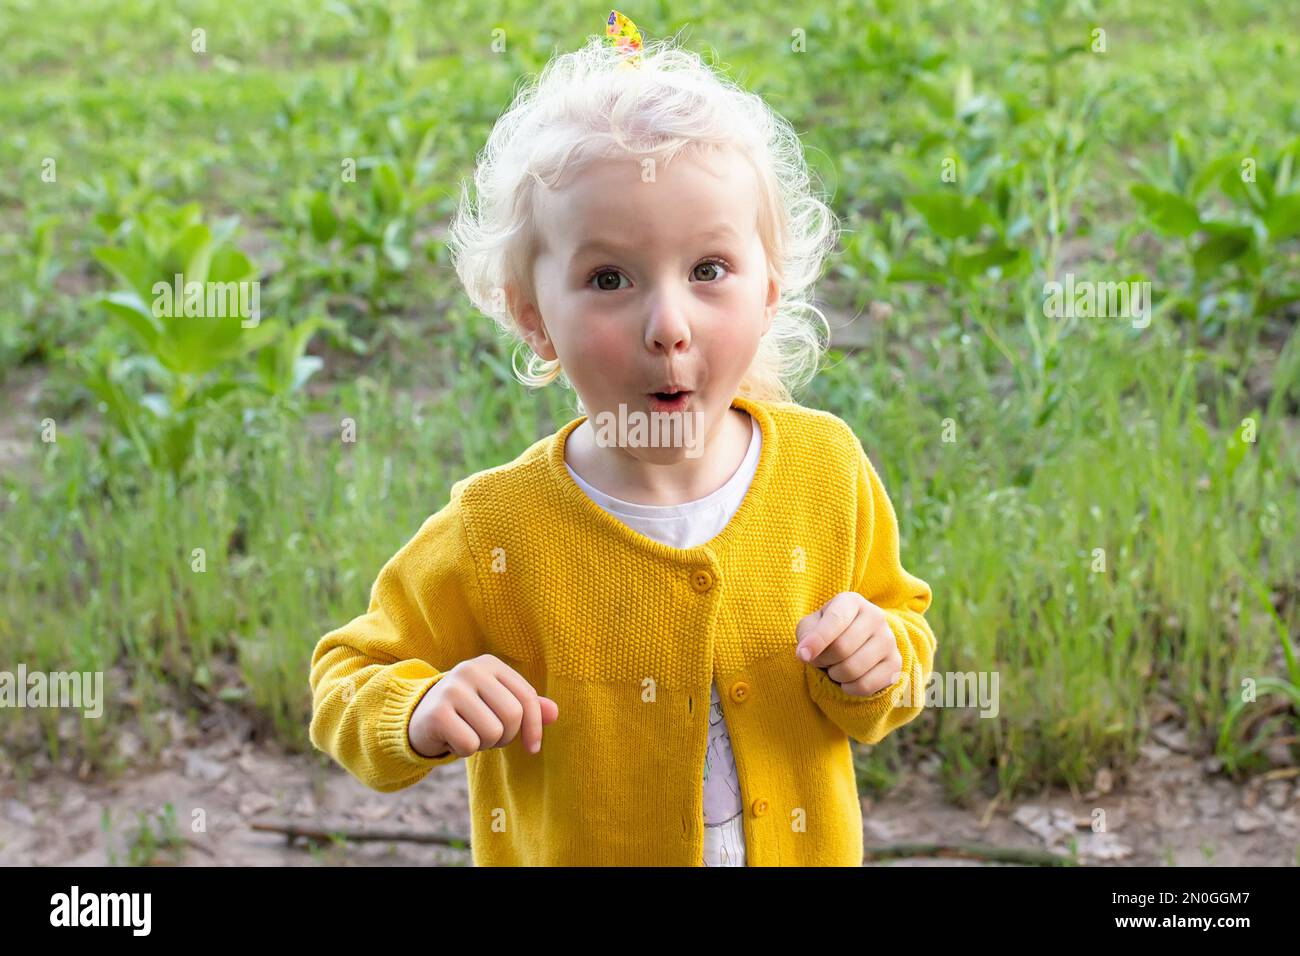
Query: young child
[[695, 632]]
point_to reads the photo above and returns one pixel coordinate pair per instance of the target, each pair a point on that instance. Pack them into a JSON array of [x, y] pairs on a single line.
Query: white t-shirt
[[687, 526]]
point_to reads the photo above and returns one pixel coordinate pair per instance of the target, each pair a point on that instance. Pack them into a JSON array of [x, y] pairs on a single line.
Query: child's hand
[[850, 639], [478, 705]]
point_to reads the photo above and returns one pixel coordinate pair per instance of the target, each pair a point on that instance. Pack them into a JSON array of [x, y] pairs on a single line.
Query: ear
[[769, 307], [529, 319]]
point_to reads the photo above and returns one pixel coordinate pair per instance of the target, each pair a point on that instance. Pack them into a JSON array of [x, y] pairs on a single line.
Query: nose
[[667, 328]]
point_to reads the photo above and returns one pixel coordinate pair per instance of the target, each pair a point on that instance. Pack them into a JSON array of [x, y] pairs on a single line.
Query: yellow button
[[759, 807], [701, 580], [739, 691]]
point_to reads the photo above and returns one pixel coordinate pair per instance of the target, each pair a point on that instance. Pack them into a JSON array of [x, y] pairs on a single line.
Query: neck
[[620, 474]]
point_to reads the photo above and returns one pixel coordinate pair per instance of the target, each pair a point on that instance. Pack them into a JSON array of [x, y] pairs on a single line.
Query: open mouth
[[670, 401]]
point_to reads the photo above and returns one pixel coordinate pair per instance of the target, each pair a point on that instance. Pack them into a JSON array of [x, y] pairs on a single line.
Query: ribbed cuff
[[882, 700], [392, 727], [863, 717]]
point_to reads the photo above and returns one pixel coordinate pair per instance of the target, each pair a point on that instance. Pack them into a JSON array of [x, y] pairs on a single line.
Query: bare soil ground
[[1174, 809]]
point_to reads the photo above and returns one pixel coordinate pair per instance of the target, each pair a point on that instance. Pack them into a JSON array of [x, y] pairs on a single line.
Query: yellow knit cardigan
[[626, 635]]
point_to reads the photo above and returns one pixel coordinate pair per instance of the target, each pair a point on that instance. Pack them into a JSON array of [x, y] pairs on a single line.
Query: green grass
[[1070, 436]]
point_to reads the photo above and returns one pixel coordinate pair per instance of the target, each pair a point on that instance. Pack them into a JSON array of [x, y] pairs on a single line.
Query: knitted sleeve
[[880, 578], [368, 675]]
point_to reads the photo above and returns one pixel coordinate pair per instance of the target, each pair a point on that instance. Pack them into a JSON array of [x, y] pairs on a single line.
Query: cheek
[[734, 348], [741, 318], [601, 344]]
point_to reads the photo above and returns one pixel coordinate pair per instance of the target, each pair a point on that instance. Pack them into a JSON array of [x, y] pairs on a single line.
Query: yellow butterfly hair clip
[[622, 34]]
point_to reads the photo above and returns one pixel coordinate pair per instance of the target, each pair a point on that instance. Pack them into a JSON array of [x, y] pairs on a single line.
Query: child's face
[[634, 293]]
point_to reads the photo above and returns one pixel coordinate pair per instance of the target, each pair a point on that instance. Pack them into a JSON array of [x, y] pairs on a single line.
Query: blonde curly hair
[[583, 107]]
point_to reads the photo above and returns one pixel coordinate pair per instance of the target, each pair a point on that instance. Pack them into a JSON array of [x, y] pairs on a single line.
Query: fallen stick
[[974, 851], [326, 834], [199, 846], [970, 851]]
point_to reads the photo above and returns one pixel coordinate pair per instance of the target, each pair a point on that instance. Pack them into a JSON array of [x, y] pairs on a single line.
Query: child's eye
[[599, 275], [716, 265]]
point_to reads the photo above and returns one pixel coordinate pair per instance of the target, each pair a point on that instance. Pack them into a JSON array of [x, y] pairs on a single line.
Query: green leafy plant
[[373, 224], [1286, 687], [146, 846], [174, 368], [1237, 268], [33, 317], [166, 845], [1044, 16]]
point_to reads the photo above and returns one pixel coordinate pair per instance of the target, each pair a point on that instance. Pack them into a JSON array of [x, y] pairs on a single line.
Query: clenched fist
[[851, 640], [479, 704]]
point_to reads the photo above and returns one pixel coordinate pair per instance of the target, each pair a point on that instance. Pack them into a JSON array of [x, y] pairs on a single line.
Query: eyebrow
[[720, 231]]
